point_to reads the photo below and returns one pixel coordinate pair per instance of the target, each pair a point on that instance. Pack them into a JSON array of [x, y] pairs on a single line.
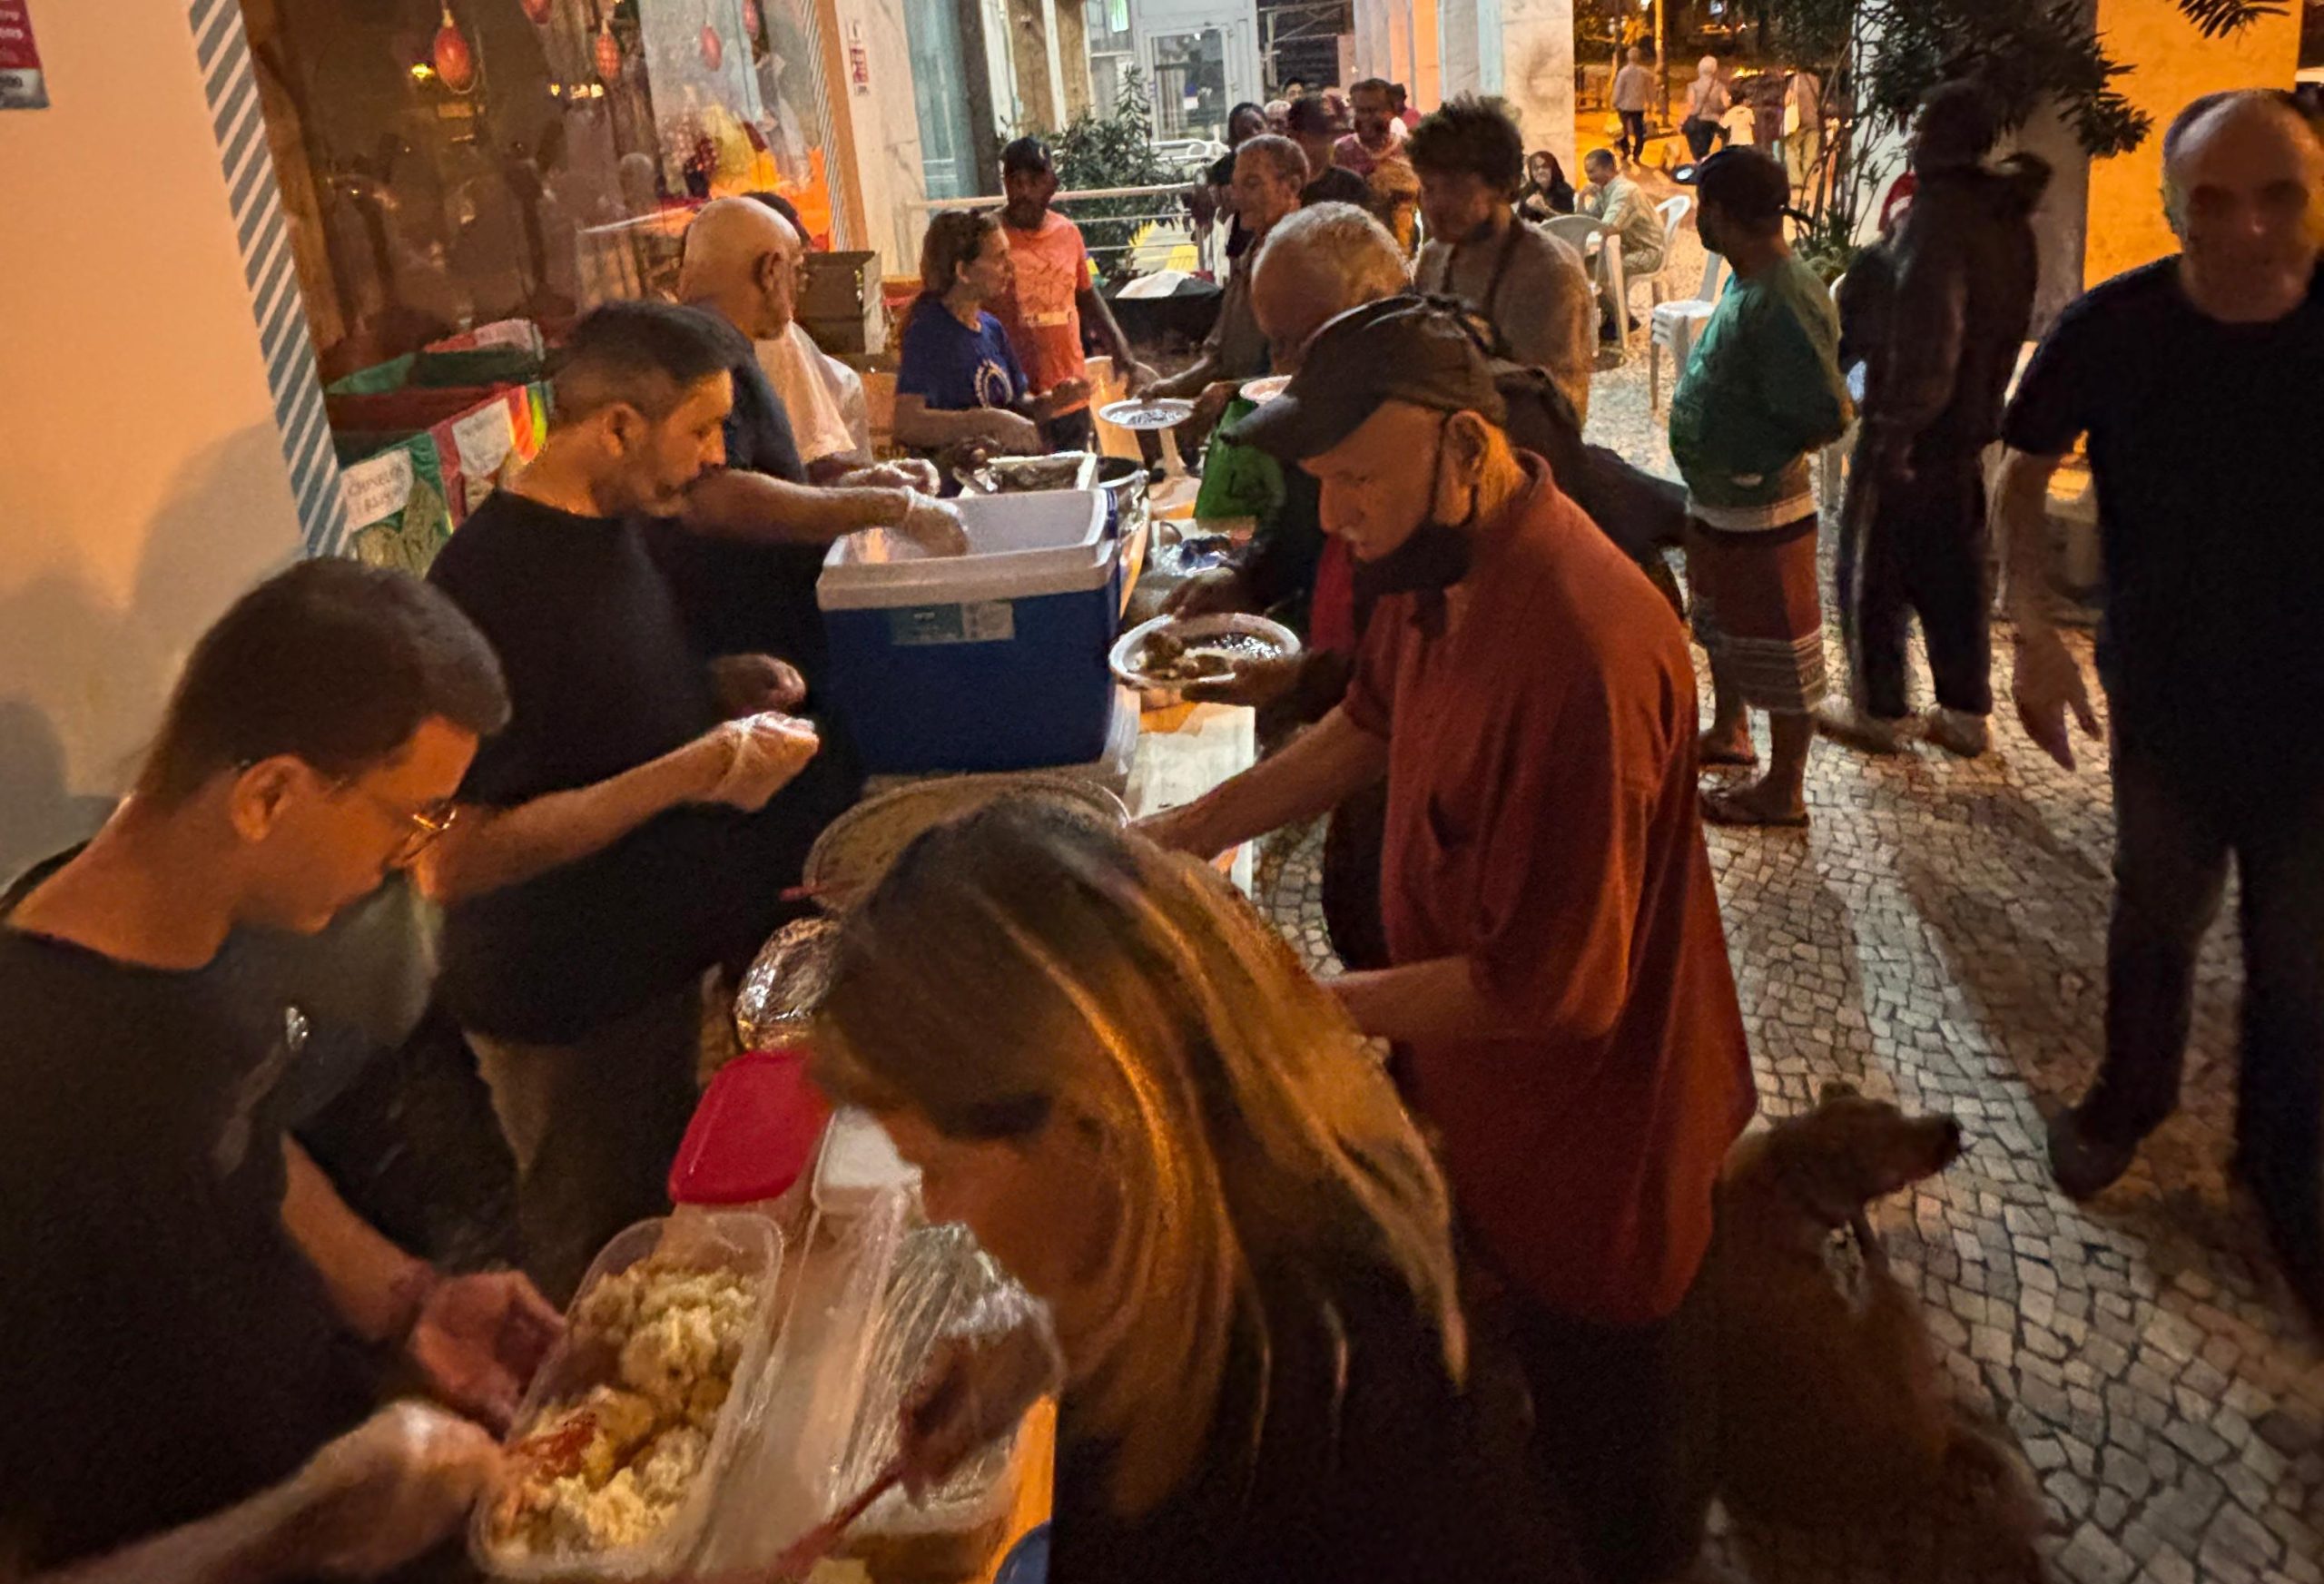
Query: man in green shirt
[[1760, 396]]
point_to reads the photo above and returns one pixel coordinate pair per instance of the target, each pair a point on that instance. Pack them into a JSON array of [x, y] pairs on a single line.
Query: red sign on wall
[[22, 87]]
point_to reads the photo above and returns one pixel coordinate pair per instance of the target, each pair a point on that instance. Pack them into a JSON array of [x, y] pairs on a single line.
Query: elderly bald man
[[743, 554], [2196, 379]]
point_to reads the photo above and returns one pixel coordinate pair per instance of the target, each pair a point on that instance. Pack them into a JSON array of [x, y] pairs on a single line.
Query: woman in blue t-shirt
[[960, 382]]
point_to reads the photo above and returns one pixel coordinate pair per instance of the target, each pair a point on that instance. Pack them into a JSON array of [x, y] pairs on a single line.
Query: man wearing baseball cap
[[1559, 984]]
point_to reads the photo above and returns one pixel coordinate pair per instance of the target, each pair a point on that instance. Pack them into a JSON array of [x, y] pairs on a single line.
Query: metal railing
[[1128, 230]]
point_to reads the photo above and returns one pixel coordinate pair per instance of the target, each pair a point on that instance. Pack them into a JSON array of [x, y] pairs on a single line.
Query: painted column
[[2172, 63], [1526, 49]]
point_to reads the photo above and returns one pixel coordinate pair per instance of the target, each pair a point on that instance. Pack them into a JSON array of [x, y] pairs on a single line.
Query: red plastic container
[[754, 1135]]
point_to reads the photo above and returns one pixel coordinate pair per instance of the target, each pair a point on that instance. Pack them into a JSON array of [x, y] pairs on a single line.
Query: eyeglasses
[[423, 827]]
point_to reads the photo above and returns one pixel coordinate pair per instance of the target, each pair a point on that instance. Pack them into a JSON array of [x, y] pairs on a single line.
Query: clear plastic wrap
[[652, 1341], [787, 1480], [775, 1006], [946, 1296]]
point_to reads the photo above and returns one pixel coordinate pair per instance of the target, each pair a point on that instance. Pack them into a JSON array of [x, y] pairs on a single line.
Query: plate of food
[[1163, 657], [856, 849], [1265, 389], [1153, 412], [627, 1430]]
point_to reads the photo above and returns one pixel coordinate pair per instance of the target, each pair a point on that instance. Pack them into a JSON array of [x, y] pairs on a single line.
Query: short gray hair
[[1289, 160], [1346, 246]]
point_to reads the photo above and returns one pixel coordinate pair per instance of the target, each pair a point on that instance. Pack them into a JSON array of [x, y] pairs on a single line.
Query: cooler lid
[[755, 1133], [1020, 546]]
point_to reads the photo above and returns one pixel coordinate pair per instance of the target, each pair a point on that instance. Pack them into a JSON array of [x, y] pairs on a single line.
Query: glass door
[[1202, 60]]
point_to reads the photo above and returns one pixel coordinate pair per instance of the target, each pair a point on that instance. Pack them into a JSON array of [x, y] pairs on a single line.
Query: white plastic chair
[[1674, 325], [1600, 250], [1673, 212]]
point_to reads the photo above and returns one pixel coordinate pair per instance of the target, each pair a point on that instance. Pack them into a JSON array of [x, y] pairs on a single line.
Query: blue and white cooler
[[991, 661]]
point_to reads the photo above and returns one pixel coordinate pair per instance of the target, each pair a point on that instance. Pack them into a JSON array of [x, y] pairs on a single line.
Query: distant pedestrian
[[1761, 395], [1706, 103], [1940, 343], [1633, 94], [2194, 379], [1803, 130]]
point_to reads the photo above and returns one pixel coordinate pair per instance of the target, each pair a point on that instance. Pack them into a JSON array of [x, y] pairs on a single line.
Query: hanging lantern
[[751, 26], [455, 61], [608, 50], [537, 11], [713, 48]]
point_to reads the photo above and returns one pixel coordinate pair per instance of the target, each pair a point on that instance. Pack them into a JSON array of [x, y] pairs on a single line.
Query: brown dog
[[1832, 1406]]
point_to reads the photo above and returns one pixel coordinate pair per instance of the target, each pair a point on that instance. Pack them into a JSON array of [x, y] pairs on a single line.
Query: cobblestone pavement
[[1937, 936]]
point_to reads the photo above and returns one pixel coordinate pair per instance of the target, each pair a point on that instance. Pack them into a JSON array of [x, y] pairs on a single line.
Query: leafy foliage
[[1110, 148]]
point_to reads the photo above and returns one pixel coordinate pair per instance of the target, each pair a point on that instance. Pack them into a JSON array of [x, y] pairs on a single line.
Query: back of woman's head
[[955, 237], [1021, 968]]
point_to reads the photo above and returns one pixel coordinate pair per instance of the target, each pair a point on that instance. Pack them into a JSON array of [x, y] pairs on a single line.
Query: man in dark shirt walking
[[2210, 648], [600, 866]]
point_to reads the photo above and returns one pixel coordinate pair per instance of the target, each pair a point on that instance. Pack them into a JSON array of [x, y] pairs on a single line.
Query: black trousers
[[1633, 140], [2172, 848], [1918, 546], [1621, 1420]]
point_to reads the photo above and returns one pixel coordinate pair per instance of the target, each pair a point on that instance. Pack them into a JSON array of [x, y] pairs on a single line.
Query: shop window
[[447, 164]]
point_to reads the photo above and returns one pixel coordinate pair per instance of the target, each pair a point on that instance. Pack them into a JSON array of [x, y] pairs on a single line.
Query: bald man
[[743, 554], [2199, 381]]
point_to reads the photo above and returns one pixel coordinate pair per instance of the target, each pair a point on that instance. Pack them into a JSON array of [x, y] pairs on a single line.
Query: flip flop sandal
[[1721, 809]]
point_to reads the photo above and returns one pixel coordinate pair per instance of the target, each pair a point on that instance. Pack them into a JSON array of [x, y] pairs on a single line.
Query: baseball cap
[[1026, 156], [1745, 183], [1401, 348]]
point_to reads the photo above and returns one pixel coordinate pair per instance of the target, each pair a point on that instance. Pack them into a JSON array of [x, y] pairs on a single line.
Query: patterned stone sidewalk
[[1938, 937]]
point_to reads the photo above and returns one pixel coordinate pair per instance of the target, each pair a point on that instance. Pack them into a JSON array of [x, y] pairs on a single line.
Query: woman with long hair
[[1546, 193], [1108, 1066], [958, 381]]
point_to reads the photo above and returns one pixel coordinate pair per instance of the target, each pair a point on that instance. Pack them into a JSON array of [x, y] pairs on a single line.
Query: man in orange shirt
[[1559, 984], [1043, 311]]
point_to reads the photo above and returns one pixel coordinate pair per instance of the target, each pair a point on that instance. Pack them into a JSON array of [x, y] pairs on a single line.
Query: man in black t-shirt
[[2200, 383], [188, 1308], [602, 863]]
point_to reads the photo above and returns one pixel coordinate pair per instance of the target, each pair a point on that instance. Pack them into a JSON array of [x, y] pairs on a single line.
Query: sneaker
[[2084, 1166], [1959, 731], [1867, 733]]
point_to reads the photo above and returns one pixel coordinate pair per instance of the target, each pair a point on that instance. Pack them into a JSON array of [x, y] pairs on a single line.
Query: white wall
[[885, 122], [141, 481]]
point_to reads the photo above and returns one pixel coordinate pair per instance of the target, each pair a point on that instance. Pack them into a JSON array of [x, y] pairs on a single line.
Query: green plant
[[1887, 53], [1100, 149]]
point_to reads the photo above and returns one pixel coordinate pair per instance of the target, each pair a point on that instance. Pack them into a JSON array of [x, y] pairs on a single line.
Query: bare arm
[[2047, 679], [932, 428], [489, 849], [1436, 1000], [380, 1495], [1095, 310], [375, 1287], [1312, 776], [735, 503], [1190, 381], [2021, 515]]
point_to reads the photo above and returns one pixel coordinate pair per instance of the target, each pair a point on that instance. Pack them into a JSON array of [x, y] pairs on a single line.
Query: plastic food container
[[940, 1275], [994, 659], [757, 1129], [858, 1167], [786, 1479], [748, 1245]]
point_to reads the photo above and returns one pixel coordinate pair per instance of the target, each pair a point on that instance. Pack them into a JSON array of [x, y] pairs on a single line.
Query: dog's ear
[[1836, 1090]]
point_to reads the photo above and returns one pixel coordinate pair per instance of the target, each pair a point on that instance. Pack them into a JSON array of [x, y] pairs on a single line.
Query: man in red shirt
[[1560, 984], [1043, 309]]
